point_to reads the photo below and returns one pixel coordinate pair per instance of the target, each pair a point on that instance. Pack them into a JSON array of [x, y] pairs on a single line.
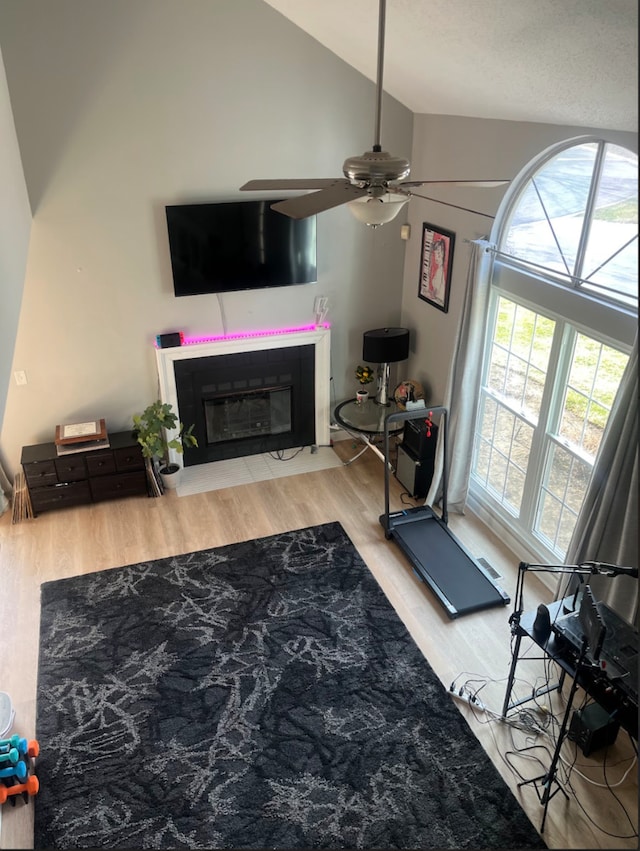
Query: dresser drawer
[[57, 496], [40, 473], [121, 484], [101, 463], [128, 459], [70, 469]]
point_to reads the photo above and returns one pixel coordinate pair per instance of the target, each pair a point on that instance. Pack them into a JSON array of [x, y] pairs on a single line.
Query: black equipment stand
[[549, 777], [584, 674], [457, 579]]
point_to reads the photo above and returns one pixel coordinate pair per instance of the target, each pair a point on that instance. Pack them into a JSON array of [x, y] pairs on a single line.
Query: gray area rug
[[257, 695]]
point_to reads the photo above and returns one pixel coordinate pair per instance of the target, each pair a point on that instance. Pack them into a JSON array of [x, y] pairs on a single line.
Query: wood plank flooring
[[89, 538]]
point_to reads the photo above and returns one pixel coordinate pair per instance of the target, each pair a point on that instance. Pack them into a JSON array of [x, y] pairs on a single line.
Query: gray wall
[[15, 225], [122, 107]]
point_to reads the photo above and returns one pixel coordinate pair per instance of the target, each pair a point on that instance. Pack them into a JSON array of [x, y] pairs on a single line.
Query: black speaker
[[168, 341], [420, 439], [415, 474], [592, 728]]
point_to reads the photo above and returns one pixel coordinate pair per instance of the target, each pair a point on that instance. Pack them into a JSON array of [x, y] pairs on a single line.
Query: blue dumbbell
[[14, 742], [10, 756], [18, 770]]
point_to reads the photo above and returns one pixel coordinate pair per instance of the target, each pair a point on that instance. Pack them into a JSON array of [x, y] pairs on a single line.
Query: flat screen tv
[[238, 245]]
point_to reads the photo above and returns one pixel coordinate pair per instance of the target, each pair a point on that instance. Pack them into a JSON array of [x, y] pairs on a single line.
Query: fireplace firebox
[[247, 403], [252, 414]]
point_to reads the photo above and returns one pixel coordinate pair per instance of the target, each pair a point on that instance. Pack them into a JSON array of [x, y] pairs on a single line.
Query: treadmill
[[459, 581]]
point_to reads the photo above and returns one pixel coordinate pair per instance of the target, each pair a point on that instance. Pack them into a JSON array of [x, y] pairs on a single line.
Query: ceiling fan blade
[[437, 201], [296, 183], [317, 202], [479, 184]]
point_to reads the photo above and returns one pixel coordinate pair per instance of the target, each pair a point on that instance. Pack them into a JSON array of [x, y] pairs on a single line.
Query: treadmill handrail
[[416, 413]]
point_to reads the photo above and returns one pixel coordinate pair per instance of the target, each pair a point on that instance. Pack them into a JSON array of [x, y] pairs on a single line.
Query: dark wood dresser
[[56, 481]]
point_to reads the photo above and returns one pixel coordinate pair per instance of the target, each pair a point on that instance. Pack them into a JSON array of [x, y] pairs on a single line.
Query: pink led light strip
[[192, 341]]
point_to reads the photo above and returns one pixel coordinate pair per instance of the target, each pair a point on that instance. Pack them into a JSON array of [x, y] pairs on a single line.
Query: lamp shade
[[385, 345]]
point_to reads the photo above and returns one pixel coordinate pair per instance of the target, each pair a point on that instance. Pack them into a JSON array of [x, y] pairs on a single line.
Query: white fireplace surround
[[319, 337]]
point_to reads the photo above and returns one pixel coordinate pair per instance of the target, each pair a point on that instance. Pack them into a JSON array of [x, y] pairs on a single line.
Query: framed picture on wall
[[436, 260]]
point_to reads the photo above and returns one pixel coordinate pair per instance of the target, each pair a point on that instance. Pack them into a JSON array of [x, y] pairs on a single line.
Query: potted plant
[[365, 375], [151, 427]]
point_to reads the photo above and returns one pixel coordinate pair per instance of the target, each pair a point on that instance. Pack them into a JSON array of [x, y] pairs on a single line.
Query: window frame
[[575, 311]]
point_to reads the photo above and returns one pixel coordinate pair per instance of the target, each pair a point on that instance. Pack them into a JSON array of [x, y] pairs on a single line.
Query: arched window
[[561, 322]]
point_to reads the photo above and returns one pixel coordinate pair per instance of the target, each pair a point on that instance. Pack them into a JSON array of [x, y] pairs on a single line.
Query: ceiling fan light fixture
[[377, 211]]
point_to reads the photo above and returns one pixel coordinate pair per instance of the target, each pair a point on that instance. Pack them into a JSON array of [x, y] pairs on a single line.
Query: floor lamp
[[385, 346]]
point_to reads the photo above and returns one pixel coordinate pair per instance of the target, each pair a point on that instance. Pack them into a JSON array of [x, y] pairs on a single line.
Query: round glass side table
[[366, 419]]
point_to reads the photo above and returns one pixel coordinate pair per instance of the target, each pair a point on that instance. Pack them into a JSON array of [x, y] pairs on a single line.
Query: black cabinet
[[55, 481]]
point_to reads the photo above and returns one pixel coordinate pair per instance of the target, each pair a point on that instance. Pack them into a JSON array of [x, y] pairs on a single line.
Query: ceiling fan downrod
[[378, 119]]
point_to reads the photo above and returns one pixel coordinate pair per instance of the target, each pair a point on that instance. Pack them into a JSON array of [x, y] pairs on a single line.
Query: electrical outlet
[[20, 376]]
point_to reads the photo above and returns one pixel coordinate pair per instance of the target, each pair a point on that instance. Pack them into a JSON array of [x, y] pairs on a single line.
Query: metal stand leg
[[355, 457], [512, 676], [368, 444], [550, 777]]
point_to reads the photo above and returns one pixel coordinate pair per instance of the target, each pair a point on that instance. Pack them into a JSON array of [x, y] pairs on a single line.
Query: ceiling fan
[[373, 184]]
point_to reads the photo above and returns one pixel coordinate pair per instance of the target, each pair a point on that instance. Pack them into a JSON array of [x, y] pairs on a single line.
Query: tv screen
[[238, 245]]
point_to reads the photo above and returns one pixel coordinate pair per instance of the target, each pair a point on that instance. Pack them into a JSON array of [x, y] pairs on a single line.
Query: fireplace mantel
[[318, 336]]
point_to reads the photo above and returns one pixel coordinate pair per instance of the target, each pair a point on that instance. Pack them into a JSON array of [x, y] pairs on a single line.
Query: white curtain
[[607, 526], [5, 491], [463, 385]]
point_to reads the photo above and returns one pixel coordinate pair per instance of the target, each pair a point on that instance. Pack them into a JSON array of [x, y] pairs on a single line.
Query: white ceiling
[[571, 62]]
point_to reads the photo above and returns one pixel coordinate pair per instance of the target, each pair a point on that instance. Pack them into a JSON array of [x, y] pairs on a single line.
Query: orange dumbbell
[[31, 787]]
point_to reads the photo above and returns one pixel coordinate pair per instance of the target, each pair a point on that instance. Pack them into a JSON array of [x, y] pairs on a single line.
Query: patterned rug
[[257, 695]]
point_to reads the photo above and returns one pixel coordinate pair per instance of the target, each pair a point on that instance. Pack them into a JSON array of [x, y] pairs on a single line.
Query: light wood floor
[[89, 538]]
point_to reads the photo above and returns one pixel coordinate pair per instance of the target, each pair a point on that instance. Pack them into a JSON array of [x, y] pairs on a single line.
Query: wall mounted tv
[[238, 245]]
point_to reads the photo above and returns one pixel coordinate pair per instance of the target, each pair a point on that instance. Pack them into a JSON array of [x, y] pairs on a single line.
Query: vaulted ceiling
[[571, 62]]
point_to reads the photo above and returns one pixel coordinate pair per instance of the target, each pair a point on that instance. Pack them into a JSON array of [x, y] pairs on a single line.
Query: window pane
[[595, 374], [563, 488], [611, 257], [501, 453], [481, 459], [483, 439], [520, 356], [514, 488], [497, 473], [546, 225], [542, 342], [515, 380], [552, 217], [498, 369], [549, 519]]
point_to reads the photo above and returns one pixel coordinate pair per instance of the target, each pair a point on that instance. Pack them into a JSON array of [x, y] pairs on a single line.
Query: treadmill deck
[[459, 581]]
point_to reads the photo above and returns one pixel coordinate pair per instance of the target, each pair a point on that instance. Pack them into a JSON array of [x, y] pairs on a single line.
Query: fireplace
[[247, 403], [249, 414], [247, 395]]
